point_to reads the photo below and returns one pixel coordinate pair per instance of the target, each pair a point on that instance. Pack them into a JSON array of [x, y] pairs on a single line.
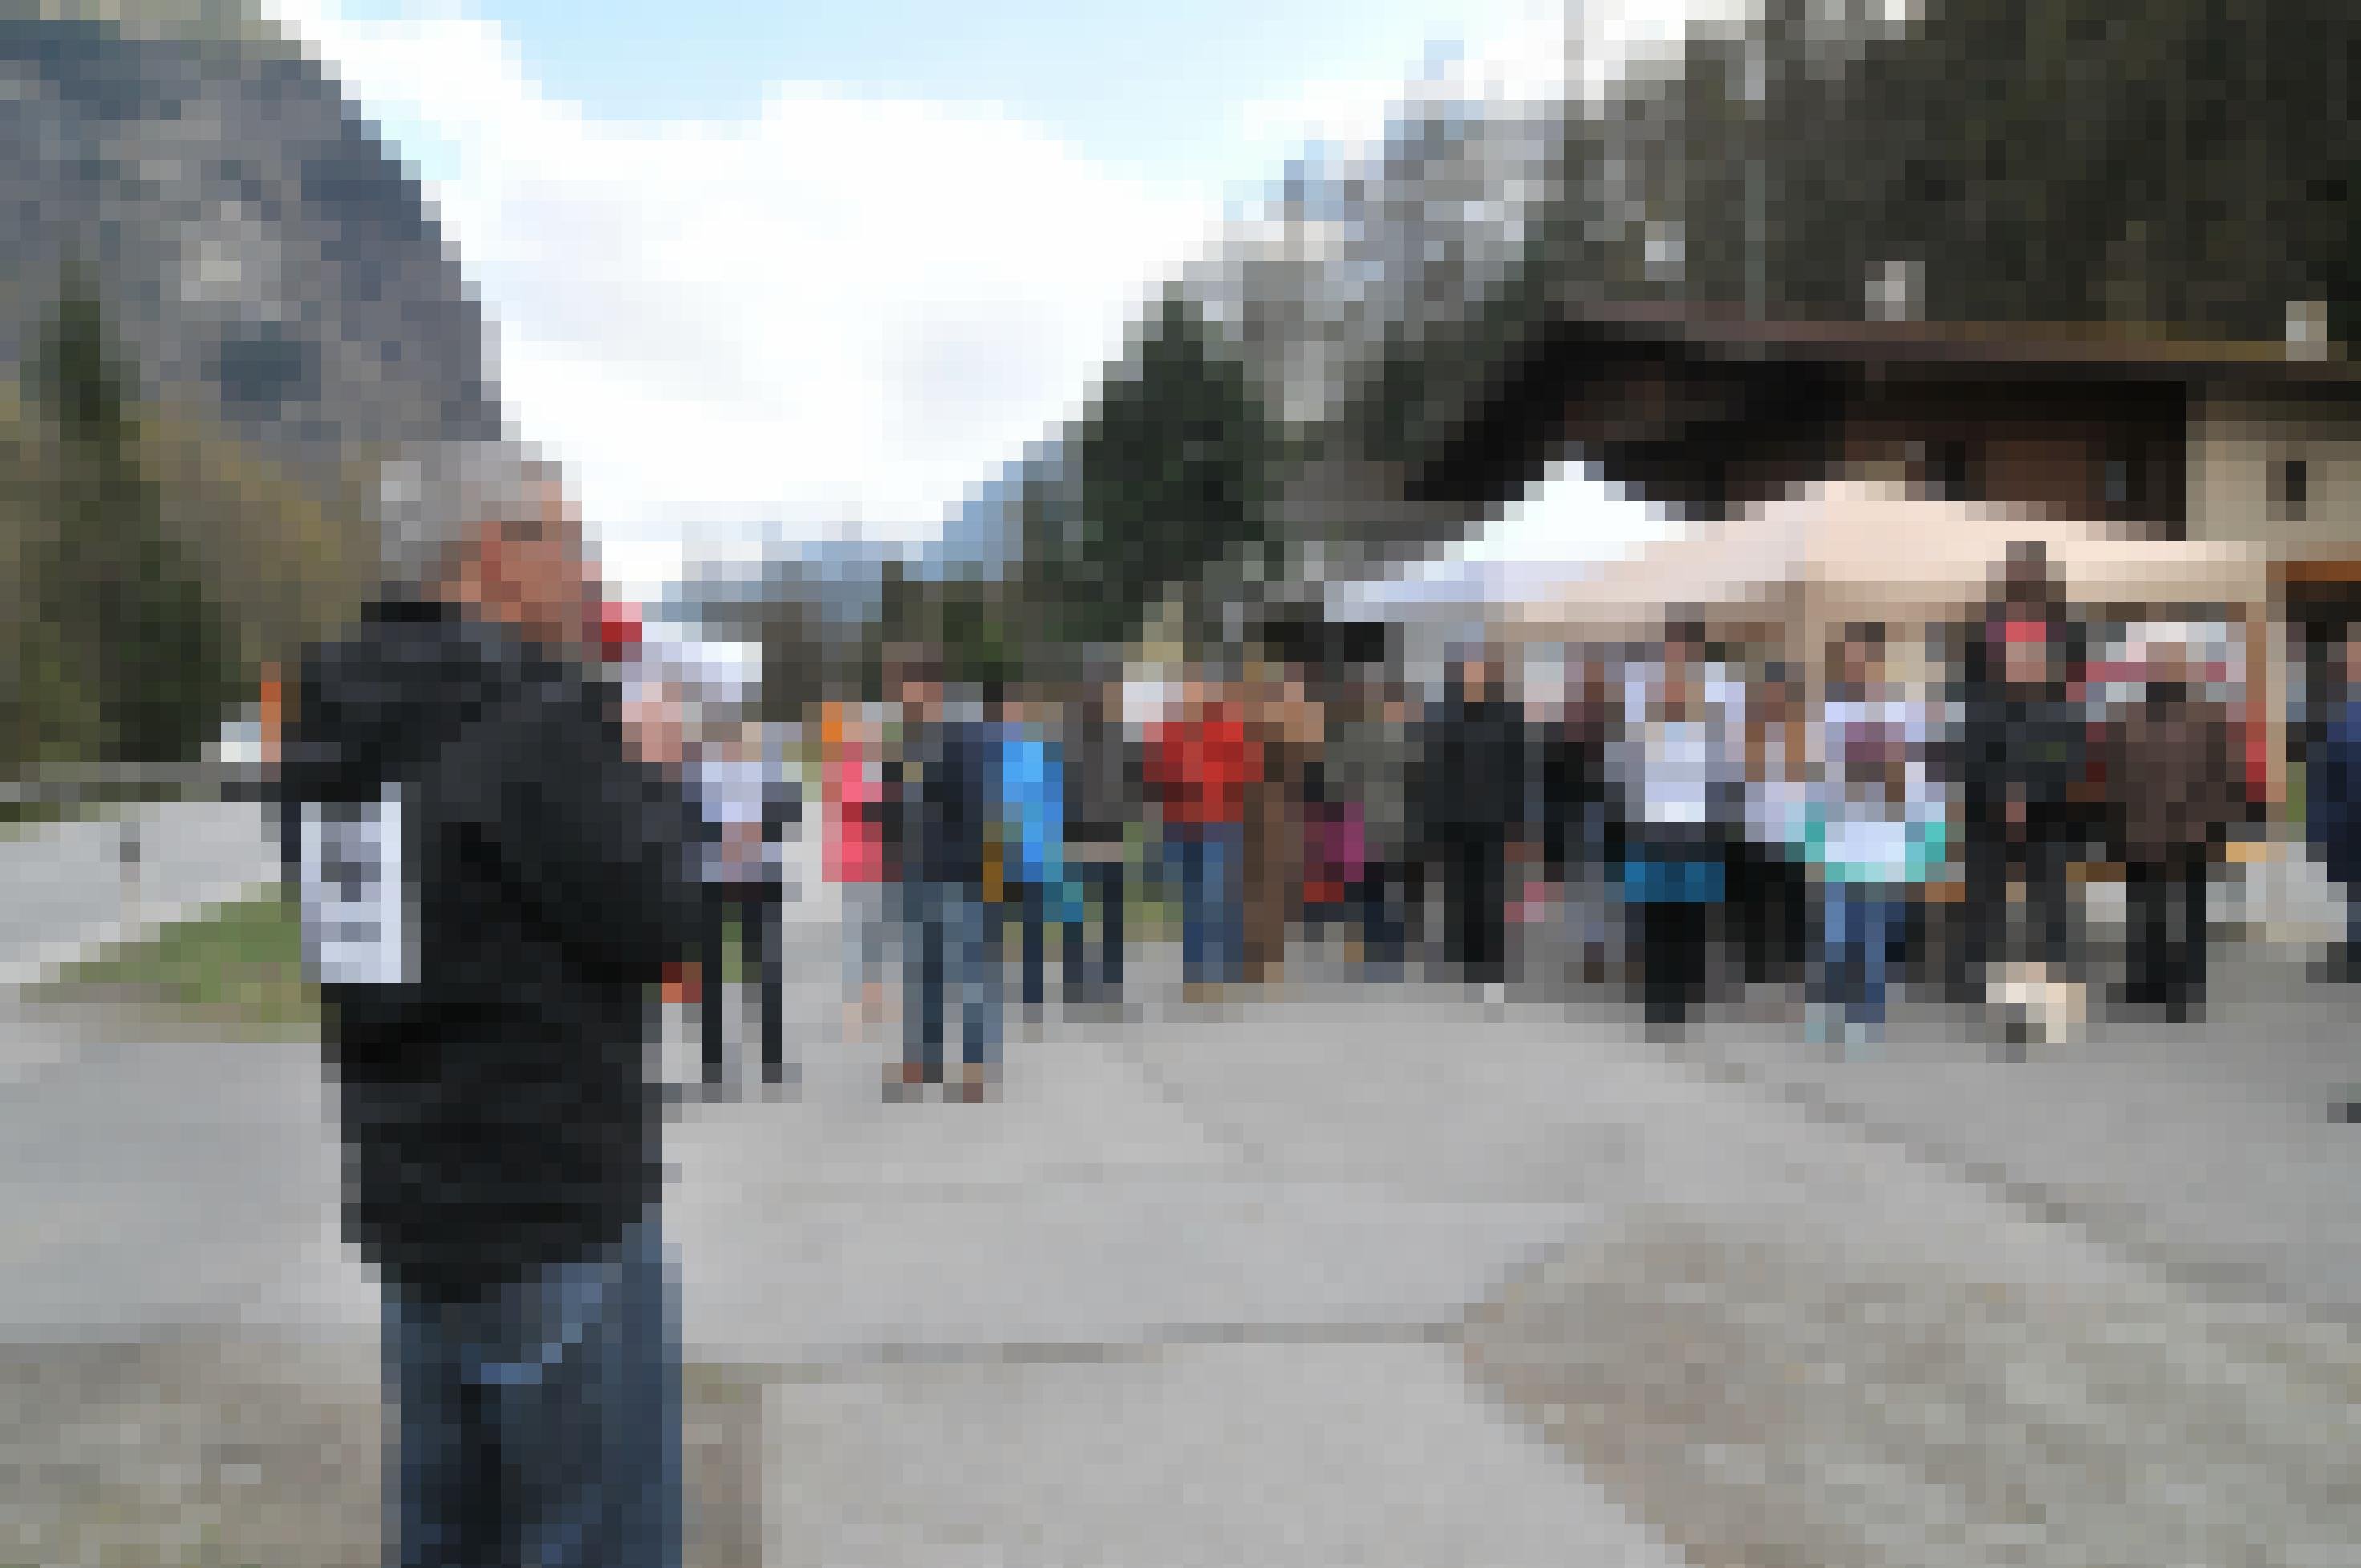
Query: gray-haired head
[[431, 500]]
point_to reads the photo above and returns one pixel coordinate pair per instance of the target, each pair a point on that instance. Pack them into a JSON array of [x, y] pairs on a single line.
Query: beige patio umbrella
[[1866, 551], [1864, 548], [1730, 574], [1869, 549]]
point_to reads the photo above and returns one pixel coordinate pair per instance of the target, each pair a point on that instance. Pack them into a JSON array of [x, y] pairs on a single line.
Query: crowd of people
[[500, 849], [1677, 803]]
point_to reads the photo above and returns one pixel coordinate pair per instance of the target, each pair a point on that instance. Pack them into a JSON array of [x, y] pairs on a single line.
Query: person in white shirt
[[1677, 770], [1865, 710], [1868, 716], [745, 811]]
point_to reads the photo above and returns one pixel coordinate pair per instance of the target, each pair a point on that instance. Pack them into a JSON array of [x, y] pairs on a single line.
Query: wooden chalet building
[[1709, 412]]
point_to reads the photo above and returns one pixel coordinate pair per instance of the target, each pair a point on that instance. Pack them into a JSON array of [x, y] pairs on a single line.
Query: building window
[[1951, 471], [2118, 484], [2292, 484]]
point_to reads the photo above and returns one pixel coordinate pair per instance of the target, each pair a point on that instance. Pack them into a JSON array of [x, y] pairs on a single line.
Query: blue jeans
[[950, 945], [1030, 900], [1862, 920], [1213, 912], [872, 921], [543, 1424]]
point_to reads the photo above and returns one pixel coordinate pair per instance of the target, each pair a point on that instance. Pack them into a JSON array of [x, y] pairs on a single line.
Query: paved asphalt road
[[71, 889], [1335, 1274]]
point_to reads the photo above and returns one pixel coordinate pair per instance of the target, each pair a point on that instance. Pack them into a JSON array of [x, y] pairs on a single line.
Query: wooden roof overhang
[[1674, 401]]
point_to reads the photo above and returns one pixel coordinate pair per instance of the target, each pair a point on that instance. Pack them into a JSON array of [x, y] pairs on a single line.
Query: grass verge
[[22, 818], [240, 963]]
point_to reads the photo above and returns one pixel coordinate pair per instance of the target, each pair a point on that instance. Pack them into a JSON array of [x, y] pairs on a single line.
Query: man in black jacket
[[2022, 751], [943, 785], [1475, 774], [495, 866]]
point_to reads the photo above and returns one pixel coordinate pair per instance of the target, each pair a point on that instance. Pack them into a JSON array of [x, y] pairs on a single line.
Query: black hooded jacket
[[496, 1110], [1476, 770]]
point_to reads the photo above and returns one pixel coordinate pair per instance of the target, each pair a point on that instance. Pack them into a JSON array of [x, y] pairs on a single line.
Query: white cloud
[[839, 307]]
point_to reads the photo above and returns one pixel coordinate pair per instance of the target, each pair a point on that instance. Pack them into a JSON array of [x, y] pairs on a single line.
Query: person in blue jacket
[[2333, 812], [1033, 831]]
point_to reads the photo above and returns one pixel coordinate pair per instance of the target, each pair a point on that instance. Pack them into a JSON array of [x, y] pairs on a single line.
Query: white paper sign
[[355, 902]]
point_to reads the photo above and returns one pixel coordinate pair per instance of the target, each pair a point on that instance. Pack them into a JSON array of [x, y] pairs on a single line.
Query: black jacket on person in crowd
[[1101, 783], [495, 1104], [942, 798], [1474, 771], [2011, 738], [2035, 747], [1573, 790]]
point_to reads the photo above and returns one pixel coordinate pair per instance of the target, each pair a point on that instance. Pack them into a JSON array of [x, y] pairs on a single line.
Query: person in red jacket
[[1197, 767]]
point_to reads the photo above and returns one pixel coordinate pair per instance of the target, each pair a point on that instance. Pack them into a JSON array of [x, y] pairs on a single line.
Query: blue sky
[[760, 272]]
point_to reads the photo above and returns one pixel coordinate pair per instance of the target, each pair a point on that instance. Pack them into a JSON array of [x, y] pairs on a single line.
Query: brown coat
[[1289, 733], [2176, 780]]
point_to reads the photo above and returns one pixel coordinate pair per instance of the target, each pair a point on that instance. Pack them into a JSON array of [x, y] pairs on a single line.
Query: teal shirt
[[1909, 852]]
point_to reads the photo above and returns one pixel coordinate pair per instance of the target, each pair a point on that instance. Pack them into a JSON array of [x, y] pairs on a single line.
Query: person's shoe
[[975, 1083], [2014, 1032], [906, 1081], [2134, 1000], [701, 1092]]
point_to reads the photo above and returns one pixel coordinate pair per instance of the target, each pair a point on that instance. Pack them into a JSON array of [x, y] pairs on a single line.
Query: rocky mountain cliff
[[266, 259]]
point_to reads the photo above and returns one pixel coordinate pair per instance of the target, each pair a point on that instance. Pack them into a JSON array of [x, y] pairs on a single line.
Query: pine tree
[[1174, 469], [133, 622]]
